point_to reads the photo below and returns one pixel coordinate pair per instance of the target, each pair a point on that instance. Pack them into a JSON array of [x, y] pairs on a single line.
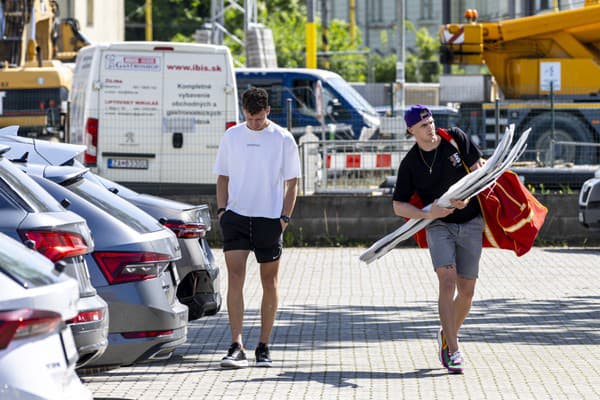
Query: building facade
[[377, 19], [99, 20]]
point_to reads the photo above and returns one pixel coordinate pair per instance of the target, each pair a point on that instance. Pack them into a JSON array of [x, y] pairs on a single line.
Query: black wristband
[[221, 209], [285, 219]]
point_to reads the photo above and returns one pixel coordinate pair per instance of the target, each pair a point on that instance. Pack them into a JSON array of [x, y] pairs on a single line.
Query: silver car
[[199, 288], [30, 215], [132, 267], [589, 203], [37, 350]]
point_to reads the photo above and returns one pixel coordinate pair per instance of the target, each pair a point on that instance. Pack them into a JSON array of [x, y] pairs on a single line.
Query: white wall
[[108, 24]]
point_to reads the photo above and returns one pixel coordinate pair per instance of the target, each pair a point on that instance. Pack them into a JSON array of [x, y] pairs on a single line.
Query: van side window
[[304, 96], [272, 86]]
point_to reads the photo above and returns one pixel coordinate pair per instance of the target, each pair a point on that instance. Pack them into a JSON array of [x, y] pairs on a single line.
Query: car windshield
[[115, 206], [349, 93]]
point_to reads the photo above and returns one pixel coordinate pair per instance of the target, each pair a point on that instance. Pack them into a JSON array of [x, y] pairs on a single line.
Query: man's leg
[[446, 307], [464, 299], [236, 274], [270, 299]]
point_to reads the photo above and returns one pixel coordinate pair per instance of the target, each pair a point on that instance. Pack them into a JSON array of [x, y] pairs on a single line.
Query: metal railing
[[344, 166]]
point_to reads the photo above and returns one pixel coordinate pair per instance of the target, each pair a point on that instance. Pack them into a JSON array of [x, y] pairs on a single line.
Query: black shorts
[[261, 235]]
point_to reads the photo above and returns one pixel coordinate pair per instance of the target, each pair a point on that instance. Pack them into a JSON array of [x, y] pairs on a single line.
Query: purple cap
[[415, 114]]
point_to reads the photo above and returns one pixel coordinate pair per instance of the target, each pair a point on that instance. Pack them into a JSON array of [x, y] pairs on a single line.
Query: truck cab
[[318, 98]]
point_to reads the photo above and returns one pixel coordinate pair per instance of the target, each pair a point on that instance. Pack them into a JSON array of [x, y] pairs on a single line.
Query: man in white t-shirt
[[257, 166]]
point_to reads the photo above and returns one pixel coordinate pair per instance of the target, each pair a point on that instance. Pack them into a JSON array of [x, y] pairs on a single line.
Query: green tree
[[420, 65], [427, 65], [178, 20], [170, 19], [384, 67], [350, 64], [289, 34]]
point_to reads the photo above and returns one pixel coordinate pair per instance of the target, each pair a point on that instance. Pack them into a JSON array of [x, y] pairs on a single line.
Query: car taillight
[[229, 124], [57, 245], [90, 157], [187, 230], [146, 334], [23, 323], [87, 316], [121, 267]]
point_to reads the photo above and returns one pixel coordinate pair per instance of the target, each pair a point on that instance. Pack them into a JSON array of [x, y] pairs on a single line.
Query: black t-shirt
[[446, 169]]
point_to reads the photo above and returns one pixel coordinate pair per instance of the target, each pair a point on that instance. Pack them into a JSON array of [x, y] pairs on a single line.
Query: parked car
[[199, 288], [132, 267], [37, 349], [589, 203], [32, 216]]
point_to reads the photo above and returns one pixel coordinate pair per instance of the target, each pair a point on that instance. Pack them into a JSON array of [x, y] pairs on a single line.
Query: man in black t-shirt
[[454, 238]]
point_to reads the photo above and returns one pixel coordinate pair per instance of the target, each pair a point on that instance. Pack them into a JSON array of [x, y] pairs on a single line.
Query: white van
[[152, 113]]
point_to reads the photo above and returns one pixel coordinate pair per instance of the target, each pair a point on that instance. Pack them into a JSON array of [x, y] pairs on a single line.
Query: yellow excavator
[[36, 50], [528, 58]]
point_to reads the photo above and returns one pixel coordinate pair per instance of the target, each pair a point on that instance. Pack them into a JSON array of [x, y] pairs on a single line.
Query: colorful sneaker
[[263, 358], [235, 358], [456, 362], [442, 347]]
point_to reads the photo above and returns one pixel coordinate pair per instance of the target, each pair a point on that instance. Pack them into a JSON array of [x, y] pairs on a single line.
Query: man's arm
[[289, 198], [222, 192], [407, 210]]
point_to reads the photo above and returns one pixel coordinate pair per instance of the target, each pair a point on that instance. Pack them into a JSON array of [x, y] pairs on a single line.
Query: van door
[[304, 103], [194, 115], [129, 117]]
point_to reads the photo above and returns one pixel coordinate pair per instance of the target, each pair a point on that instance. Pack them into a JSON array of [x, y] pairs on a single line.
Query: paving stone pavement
[[347, 330]]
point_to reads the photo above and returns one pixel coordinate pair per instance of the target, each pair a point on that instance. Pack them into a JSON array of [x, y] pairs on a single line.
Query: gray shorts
[[456, 244]]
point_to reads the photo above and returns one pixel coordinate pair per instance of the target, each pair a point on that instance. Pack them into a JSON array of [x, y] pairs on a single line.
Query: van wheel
[[567, 128]]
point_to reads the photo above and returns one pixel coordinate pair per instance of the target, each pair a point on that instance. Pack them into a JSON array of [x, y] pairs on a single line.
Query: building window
[[90, 13], [375, 11], [426, 9]]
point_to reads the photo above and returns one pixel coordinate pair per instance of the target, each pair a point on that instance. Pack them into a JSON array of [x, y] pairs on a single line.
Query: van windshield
[[349, 93]]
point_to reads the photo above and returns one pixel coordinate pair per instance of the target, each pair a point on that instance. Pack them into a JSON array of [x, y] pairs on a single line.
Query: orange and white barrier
[[363, 160]]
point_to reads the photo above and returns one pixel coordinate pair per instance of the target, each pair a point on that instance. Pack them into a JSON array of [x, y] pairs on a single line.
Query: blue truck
[[318, 98]]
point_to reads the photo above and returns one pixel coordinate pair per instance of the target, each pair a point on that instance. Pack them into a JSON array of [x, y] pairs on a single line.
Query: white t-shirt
[[257, 164]]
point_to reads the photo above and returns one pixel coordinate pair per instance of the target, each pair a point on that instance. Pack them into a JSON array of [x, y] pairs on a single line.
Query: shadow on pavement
[[568, 321], [341, 379]]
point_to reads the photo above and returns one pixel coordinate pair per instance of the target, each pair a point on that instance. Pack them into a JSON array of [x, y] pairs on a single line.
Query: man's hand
[[439, 212], [459, 204]]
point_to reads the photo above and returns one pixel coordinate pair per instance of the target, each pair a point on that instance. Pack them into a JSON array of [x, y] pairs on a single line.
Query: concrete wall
[[357, 219]]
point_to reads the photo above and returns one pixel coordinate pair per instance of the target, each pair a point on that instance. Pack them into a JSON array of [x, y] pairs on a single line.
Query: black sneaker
[[263, 358], [235, 358]]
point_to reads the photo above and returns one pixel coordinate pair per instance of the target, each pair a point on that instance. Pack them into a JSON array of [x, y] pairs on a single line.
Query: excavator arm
[[32, 33]]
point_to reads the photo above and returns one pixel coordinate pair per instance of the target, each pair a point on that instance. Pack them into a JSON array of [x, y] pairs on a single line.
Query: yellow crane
[[525, 55]]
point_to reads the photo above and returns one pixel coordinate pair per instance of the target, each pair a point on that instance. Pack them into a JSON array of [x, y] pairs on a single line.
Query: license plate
[[69, 348], [127, 163]]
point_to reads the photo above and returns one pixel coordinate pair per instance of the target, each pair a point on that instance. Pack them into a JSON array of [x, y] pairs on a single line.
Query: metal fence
[[349, 166], [353, 166]]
